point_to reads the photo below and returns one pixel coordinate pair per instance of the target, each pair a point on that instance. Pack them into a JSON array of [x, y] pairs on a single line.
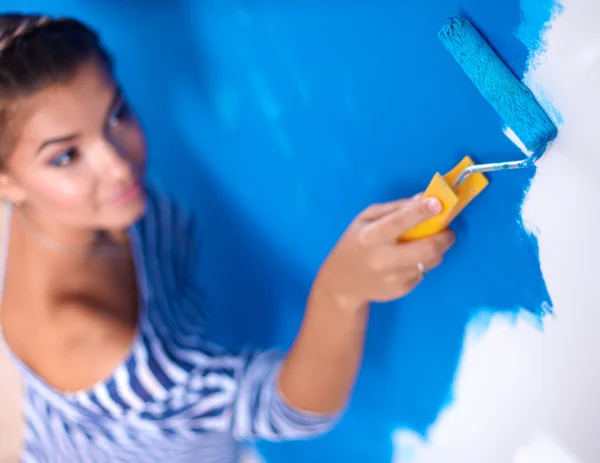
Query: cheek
[[61, 189]]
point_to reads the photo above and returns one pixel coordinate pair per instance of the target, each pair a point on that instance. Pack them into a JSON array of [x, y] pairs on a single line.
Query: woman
[[98, 306]]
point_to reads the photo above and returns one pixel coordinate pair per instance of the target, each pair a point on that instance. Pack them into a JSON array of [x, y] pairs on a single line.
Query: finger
[[402, 283], [376, 211], [427, 251], [397, 222], [413, 282], [398, 281]]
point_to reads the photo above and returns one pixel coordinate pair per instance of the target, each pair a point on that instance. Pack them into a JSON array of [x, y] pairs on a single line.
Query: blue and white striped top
[[176, 398]]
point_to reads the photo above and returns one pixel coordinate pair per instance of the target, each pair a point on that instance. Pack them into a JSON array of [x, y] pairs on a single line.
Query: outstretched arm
[[368, 264], [272, 396]]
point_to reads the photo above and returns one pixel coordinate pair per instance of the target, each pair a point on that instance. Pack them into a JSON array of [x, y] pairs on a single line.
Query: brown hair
[[35, 52]]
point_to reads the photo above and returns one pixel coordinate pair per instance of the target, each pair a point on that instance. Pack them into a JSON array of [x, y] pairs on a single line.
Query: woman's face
[[79, 155]]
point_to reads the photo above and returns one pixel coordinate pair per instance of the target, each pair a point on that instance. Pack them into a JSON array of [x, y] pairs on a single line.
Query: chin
[[124, 216], [137, 209]]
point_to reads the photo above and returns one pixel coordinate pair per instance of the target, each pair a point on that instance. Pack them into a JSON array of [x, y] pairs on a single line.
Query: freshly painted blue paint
[[535, 15], [280, 121], [535, 18], [511, 99]]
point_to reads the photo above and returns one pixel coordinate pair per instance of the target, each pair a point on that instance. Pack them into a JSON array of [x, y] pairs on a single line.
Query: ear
[[10, 189]]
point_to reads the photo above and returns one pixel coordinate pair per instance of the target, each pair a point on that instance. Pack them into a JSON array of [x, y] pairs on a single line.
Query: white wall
[[523, 396], [11, 419], [11, 424]]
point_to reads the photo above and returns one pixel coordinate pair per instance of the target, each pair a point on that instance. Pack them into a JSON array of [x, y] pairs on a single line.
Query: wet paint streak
[[536, 15], [279, 122]]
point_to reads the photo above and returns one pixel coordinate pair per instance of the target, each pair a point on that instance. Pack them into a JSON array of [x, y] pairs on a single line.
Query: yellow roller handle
[[453, 202]]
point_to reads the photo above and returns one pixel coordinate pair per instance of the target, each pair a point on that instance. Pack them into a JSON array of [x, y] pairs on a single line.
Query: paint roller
[[511, 99]]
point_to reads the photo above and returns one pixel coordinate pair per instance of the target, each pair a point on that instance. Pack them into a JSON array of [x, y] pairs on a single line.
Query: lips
[[129, 194]]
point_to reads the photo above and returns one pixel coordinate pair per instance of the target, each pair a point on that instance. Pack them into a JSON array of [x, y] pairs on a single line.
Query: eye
[[121, 114], [64, 159]]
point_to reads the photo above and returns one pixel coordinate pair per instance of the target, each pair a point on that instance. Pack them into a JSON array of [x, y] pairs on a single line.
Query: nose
[[116, 164]]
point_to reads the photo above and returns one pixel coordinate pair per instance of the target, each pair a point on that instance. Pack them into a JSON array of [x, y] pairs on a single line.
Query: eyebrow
[[118, 94], [51, 141]]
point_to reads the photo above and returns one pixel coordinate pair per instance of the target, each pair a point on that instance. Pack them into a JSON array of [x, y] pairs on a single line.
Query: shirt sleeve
[[259, 409], [252, 407]]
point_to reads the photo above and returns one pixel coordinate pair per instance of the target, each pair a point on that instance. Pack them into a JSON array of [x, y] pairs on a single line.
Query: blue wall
[[280, 121]]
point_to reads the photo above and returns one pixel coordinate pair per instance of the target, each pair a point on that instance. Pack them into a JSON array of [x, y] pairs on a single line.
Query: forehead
[[64, 108]]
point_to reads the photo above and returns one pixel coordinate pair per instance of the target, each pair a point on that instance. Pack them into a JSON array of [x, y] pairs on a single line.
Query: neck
[[70, 241]]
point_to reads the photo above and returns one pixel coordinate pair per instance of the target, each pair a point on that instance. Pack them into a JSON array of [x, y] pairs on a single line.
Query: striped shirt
[[176, 397]]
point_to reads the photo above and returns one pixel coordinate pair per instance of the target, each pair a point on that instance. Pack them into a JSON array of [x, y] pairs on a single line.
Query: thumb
[[396, 223], [377, 211]]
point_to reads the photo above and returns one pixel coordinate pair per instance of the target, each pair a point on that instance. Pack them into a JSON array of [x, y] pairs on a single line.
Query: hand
[[368, 264]]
